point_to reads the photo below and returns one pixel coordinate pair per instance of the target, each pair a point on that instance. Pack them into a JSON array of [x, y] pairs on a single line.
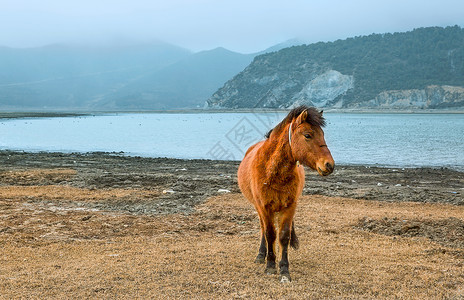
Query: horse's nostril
[[329, 167]]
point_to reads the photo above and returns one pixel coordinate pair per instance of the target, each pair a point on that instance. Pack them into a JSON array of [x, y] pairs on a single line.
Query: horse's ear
[[322, 112], [302, 117]]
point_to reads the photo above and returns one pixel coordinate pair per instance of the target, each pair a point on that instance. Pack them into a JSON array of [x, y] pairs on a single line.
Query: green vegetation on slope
[[378, 62]]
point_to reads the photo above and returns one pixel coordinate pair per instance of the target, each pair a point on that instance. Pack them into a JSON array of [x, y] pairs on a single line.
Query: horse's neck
[[279, 160]]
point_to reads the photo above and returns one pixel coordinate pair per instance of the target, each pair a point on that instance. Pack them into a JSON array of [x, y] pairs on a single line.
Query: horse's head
[[307, 141]]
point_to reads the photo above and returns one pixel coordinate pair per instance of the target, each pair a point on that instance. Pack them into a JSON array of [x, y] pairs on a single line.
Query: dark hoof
[[260, 259], [284, 278], [270, 271], [294, 243]]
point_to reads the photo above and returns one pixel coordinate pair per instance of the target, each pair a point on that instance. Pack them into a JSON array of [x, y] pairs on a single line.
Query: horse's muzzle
[[328, 169]]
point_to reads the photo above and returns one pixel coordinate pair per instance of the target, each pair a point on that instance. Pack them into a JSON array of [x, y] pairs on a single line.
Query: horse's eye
[[308, 136]]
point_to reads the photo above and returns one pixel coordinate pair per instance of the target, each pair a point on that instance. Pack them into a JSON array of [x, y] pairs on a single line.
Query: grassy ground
[[51, 247]]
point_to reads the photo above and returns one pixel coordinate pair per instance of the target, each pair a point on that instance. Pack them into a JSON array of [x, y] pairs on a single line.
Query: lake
[[399, 140]]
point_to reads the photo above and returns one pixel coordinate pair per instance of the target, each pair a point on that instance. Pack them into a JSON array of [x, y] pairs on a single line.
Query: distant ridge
[[76, 77], [183, 84], [423, 68], [114, 76]]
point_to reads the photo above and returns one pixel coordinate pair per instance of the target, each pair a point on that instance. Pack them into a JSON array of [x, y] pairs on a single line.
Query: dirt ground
[[109, 226]]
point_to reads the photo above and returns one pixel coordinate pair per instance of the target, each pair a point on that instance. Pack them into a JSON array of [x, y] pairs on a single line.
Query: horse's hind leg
[[261, 258], [294, 242]]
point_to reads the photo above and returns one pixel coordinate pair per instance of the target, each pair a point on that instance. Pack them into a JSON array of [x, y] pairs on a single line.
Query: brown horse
[[271, 178]]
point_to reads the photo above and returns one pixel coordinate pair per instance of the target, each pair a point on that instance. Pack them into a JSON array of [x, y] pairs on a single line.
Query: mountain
[[60, 76], [183, 84], [115, 77], [280, 46], [423, 68]]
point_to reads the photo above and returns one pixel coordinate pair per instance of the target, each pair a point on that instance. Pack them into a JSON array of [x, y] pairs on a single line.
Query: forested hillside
[[423, 68]]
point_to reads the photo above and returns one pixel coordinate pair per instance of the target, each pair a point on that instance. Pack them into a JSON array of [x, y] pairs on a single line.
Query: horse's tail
[[294, 242]]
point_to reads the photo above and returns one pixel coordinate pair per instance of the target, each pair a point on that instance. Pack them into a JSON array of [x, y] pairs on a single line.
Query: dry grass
[[37, 176], [47, 252], [68, 193]]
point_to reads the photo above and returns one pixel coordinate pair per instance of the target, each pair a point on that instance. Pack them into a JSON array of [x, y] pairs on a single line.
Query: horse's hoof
[[260, 260], [270, 271], [285, 278]]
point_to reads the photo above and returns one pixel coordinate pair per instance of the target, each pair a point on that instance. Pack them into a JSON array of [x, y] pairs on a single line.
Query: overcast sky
[[240, 25]]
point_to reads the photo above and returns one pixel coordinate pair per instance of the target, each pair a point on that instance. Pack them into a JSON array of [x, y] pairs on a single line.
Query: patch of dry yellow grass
[[210, 254], [37, 175], [69, 193]]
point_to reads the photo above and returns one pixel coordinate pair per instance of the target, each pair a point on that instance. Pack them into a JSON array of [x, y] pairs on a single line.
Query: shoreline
[[77, 113], [190, 182], [459, 169]]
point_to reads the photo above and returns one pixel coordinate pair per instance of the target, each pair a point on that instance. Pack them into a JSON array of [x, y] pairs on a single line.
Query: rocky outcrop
[[433, 96], [312, 85], [324, 88]]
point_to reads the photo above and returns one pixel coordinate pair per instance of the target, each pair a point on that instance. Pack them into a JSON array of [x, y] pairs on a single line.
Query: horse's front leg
[[270, 238], [285, 230], [284, 238]]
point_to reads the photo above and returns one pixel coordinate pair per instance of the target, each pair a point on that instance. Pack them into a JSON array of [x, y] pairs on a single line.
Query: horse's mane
[[314, 118]]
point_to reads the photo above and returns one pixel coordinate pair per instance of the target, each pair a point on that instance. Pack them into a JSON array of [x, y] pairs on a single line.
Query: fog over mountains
[[123, 77]]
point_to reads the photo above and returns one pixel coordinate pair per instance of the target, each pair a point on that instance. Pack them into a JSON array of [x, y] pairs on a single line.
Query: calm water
[[401, 140]]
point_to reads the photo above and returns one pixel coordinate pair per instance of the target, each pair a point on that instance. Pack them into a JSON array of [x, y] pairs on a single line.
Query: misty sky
[[240, 25]]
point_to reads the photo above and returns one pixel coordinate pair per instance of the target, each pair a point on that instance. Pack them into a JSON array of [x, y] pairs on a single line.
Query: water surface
[[402, 140]]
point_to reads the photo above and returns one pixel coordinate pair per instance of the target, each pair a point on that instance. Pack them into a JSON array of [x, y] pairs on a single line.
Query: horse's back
[[244, 174]]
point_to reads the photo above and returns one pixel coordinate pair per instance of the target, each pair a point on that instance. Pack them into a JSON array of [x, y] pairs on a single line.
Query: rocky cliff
[[419, 69], [431, 97]]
